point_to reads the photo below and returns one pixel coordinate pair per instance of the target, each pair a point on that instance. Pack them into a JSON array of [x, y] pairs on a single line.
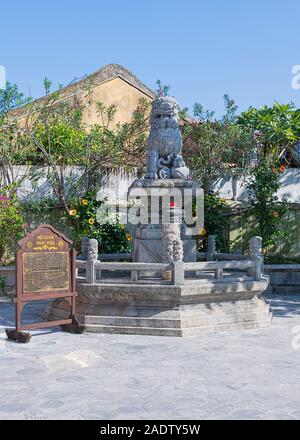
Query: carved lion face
[[165, 111]]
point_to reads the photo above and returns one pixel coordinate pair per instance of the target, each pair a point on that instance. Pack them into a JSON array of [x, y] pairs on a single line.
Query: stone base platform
[[168, 310]]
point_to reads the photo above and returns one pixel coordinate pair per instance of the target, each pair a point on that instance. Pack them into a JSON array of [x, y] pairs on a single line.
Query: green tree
[[12, 225], [216, 222], [268, 210], [217, 149], [11, 98], [53, 136], [276, 128], [161, 88]]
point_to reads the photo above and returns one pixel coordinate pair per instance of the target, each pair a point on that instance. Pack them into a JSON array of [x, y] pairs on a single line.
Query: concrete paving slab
[[250, 374]]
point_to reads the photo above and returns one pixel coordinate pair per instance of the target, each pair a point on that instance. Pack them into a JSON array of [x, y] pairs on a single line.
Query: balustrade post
[[219, 274], [92, 255], [178, 272], [255, 251], [134, 275], [84, 248], [211, 248]]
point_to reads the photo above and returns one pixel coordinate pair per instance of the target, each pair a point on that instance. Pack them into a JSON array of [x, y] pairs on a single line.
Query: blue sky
[[203, 49]]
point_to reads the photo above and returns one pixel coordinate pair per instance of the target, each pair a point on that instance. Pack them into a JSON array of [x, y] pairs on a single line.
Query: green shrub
[[12, 224], [82, 221], [215, 223], [266, 208]]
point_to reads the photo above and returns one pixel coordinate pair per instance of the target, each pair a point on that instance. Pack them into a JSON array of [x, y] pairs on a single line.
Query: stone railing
[[210, 255], [93, 270], [284, 278], [179, 271]]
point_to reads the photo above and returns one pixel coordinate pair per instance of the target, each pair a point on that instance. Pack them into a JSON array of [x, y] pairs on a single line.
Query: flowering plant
[[82, 219], [269, 212], [12, 225]]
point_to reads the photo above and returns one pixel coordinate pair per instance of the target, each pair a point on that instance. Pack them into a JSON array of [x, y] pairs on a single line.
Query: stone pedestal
[[166, 310], [148, 246], [151, 251]]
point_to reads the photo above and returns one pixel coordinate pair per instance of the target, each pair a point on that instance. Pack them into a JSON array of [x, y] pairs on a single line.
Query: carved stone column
[[255, 252], [92, 254], [172, 242], [92, 249], [84, 248], [211, 247]]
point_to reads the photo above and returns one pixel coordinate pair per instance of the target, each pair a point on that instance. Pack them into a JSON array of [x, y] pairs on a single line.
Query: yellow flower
[[274, 170], [91, 221], [72, 212], [202, 232], [84, 202], [129, 237]]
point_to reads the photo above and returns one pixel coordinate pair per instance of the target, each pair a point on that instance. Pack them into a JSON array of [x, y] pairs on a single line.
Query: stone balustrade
[[207, 270]]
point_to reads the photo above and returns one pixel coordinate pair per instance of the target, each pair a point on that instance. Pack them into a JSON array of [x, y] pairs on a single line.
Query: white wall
[[112, 185], [118, 184], [289, 187]]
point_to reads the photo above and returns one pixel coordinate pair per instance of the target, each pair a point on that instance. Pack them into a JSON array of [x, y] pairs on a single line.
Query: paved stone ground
[[252, 374]]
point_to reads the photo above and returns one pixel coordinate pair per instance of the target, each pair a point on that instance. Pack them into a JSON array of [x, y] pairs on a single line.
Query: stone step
[[127, 330], [132, 322], [192, 331], [224, 319], [194, 320], [246, 325], [240, 307]]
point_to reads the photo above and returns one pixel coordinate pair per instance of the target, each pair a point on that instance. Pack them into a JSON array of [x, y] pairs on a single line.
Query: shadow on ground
[[284, 306]]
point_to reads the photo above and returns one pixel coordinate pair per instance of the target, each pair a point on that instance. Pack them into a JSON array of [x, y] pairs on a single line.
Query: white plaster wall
[[289, 187], [113, 185], [116, 185]]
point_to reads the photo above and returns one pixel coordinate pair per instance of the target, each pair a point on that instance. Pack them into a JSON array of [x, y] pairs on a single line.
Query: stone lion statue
[[165, 142]]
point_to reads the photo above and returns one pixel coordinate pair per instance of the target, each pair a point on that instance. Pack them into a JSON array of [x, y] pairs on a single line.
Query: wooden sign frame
[[45, 269]]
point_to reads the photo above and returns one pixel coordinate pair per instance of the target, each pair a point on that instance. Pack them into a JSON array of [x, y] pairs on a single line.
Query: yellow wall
[[117, 92]]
